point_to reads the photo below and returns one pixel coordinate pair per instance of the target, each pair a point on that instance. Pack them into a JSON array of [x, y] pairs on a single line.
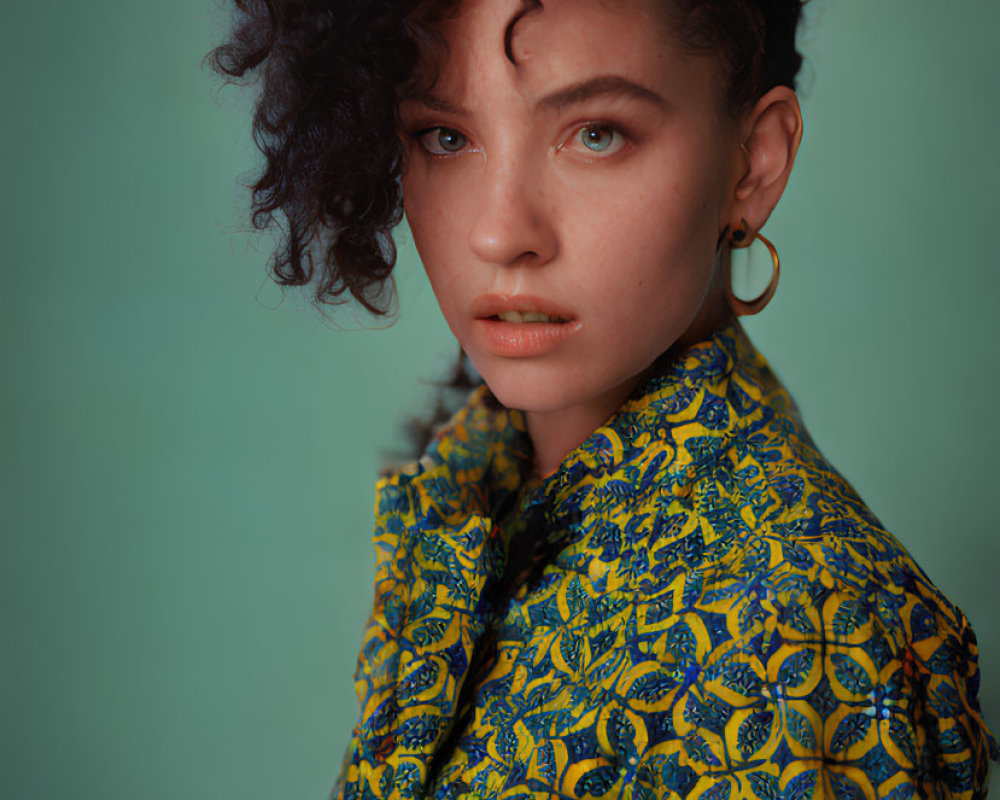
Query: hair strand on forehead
[[508, 34]]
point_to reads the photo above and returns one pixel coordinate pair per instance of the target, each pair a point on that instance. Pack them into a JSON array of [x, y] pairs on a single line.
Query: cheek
[[649, 270], [419, 209], [434, 218], [655, 203], [648, 242], [423, 217], [434, 223], [676, 219]]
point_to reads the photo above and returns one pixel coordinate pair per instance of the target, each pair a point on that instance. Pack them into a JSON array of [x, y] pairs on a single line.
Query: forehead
[[575, 33], [541, 44]]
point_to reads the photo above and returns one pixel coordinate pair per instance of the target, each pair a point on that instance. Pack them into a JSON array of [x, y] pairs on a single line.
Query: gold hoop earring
[[742, 308]]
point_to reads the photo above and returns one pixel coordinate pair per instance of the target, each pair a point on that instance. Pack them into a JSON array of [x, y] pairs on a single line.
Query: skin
[[603, 206]]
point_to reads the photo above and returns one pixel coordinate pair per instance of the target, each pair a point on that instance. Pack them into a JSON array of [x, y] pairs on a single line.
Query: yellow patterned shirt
[[714, 614]]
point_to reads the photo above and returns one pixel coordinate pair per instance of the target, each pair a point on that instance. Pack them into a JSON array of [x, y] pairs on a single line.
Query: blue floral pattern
[[721, 617]]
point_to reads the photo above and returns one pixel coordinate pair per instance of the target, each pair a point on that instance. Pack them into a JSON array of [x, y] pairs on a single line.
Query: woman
[[623, 569]]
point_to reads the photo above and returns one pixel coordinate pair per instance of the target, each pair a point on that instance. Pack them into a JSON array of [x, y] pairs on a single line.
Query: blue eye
[[442, 141], [600, 138]]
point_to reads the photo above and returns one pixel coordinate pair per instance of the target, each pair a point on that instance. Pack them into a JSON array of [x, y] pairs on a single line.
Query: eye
[[602, 139], [442, 141]]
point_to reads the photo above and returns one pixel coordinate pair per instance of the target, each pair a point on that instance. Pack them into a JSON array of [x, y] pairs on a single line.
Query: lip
[[520, 339], [490, 305]]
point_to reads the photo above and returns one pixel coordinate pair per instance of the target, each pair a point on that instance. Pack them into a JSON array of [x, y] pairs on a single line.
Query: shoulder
[[831, 663], [810, 634], [787, 547]]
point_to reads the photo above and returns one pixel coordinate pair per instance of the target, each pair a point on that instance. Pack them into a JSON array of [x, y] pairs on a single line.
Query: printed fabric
[[717, 615]]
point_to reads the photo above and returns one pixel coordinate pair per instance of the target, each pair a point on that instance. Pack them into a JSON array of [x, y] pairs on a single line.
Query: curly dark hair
[[329, 74]]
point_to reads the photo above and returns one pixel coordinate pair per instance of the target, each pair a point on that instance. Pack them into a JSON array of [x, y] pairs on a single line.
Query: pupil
[[596, 138]]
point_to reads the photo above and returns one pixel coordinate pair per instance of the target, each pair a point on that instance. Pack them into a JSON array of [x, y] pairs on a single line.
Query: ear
[[773, 132]]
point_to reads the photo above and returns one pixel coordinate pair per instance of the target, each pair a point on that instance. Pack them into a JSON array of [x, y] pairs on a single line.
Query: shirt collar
[[481, 461]]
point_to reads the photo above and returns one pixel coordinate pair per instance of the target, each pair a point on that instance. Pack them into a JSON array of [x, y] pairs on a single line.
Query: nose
[[513, 224]]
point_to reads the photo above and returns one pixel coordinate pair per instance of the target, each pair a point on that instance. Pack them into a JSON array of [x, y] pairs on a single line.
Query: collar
[[482, 459], [439, 545]]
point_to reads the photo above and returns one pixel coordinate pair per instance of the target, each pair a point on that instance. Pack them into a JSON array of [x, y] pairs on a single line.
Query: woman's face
[[567, 205]]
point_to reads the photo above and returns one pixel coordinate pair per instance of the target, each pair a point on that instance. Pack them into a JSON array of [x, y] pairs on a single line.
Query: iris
[[597, 138], [441, 141]]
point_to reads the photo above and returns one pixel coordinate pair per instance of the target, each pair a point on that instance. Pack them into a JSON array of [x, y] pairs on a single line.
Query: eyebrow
[[434, 103], [599, 86]]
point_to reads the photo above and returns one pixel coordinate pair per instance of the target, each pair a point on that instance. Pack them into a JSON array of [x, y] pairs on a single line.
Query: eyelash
[[420, 135]]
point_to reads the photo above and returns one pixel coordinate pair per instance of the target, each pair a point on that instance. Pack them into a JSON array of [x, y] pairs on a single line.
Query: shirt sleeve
[[430, 571]]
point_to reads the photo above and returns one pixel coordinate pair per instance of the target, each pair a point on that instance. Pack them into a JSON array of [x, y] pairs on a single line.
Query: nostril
[[509, 228]]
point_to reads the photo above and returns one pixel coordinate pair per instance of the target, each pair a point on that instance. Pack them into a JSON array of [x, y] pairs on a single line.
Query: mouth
[[521, 326], [527, 316], [519, 309]]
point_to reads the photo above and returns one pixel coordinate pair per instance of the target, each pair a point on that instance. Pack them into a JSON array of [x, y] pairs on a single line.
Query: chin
[[523, 397], [530, 390], [541, 390]]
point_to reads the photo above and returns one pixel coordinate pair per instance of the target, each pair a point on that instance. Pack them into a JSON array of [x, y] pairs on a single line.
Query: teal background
[[187, 459]]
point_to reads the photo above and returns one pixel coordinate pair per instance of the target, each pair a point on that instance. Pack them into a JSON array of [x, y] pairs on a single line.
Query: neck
[[555, 433]]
